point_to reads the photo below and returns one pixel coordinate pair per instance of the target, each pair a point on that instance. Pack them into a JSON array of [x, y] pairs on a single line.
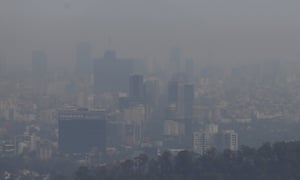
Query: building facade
[[81, 130]]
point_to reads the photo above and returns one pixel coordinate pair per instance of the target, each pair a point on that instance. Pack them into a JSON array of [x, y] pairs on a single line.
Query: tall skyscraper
[[152, 91], [111, 74], [188, 112], [81, 130], [189, 70], [136, 87], [173, 92], [84, 60], [188, 101]]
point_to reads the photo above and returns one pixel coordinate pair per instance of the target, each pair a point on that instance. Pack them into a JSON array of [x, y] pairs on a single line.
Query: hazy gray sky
[[225, 29]]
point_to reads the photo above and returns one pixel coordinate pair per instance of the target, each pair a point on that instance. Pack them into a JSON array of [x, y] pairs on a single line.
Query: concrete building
[[173, 128], [231, 140], [189, 70], [188, 101], [134, 118], [226, 140], [136, 87], [24, 143], [111, 74], [201, 142], [81, 130], [211, 137]]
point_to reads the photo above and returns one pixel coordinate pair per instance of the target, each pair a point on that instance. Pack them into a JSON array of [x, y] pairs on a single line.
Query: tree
[[184, 163], [83, 173]]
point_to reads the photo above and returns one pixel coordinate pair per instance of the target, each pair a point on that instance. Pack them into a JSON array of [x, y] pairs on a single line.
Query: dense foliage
[[25, 167], [279, 161]]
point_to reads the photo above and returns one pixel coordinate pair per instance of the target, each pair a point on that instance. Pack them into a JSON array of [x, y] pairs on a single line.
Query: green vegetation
[[279, 161]]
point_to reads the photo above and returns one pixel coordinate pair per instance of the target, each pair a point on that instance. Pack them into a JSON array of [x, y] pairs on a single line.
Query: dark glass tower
[[81, 130], [136, 87]]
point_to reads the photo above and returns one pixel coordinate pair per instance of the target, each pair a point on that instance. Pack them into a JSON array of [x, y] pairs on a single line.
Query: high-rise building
[[152, 95], [152, 91], [173, 92], [189, 70], [201, 142], [185, 103], [188, 112], [81, 130], [136, 87], [114, 133], [134, 118], [226, 140], [84, 60], [173, 128], [111, 74], [188, 100], [231, 140]]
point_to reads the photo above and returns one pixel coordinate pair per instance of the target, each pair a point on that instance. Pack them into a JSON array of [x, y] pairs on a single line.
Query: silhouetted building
[[152, 96], [136, 87], [111, 74], [81, 130], [114, 133], [84, 60], [188, 101], [173, 92], [189, 70], [124, 102], [152, 92]]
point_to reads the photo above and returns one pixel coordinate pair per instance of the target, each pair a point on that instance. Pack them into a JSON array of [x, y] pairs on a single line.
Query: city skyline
[[161, 89], [222, 32]]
